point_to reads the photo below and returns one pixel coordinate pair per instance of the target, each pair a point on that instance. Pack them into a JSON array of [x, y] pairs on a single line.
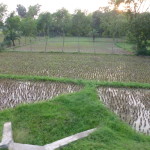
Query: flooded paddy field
[[14, 92], [131, 105], [77, 66]]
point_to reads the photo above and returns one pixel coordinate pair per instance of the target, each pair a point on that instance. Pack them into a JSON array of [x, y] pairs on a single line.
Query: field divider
[[78, 81]]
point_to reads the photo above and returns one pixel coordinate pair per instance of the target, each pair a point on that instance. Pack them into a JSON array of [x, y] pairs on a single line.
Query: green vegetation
[[105, 22], [126, 46], [45, 122], [129, 46], [78, 81]]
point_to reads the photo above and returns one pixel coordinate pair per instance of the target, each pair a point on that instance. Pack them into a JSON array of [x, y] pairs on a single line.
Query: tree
[[140, 29], [3, 10], [113, 24], [138, 24], [44, 22], [33, 11], [28, 28], [21, 11], [131, 7], [96, 22], [81, 23], [12, 28], [61, 21]]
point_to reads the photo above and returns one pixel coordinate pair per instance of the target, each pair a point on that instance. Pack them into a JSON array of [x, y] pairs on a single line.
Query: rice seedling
[[131, 105]]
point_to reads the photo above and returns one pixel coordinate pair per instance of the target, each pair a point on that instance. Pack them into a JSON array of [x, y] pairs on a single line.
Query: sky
[[54, 5], [70, 5]]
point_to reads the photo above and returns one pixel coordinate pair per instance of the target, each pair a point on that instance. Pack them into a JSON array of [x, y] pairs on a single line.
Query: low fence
[[68, 44]]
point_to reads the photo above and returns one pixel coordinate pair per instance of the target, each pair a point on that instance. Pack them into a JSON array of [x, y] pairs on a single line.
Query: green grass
[[128, 46], [78, 81], [71, 44], [45, 122]]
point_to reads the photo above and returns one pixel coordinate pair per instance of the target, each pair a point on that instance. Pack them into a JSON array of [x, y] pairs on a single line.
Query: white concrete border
[[7, 140]]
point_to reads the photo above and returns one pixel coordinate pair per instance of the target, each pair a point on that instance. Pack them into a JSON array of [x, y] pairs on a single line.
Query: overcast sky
[[54, 5], [71, 5]]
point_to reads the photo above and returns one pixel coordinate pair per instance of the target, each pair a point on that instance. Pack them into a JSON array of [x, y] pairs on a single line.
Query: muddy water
[[14, 92], [132, 106]]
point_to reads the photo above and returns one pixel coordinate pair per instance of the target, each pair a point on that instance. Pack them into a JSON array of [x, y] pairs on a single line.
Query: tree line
[[105, 22]]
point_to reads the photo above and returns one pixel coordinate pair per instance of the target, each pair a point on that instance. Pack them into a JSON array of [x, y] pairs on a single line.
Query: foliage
[[140, 29], [104, 22], [28, 27], [44, 23], [96, 22], [3, 10], [12, 28], [80, 23], [61, 21], [131, 6], [94, 34], [113, 24], [33, 11], [21, 11]]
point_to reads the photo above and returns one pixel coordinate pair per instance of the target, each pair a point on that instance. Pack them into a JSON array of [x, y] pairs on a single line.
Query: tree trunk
[[63, 41], [30, 44], [78, 44], [13, 41], [46, 43]]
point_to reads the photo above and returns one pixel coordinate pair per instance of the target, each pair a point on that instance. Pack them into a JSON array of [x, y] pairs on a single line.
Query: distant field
[[77, 66], [128, 46], [73, 44]]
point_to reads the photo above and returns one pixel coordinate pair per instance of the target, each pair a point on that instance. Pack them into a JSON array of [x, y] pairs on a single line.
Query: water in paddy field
[[132, 106], [13, 92]]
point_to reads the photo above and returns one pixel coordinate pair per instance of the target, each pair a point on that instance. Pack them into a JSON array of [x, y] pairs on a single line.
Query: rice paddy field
[[77, 66], [16, 92], [60, 94], [132, 106]]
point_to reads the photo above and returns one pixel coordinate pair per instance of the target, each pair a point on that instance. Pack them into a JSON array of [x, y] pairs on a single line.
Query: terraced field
[[77, 66], [131, 105], [15, 92]]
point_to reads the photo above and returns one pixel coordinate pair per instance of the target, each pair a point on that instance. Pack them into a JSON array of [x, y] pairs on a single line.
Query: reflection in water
[[132, 105], [14, 92]]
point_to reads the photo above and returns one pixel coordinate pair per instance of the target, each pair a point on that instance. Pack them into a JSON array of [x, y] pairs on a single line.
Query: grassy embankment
[[45, 122], [78, 81]]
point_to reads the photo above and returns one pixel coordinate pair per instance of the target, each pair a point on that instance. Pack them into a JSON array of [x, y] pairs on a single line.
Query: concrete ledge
[[7, 140], [18, 146], [68, 140], [7, 137]]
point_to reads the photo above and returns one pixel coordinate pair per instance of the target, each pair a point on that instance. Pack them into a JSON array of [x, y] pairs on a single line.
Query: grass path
[[77, 81]]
